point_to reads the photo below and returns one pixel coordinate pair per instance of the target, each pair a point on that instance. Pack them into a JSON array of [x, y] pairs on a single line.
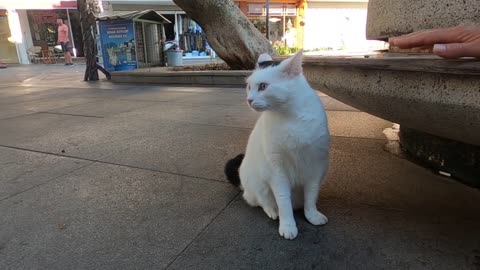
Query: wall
[[27, 37], [337, 26], [8, 51], [14, 26]]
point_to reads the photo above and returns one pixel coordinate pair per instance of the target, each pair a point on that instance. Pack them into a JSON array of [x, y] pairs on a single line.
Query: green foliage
[[321, 49], [283, 49]]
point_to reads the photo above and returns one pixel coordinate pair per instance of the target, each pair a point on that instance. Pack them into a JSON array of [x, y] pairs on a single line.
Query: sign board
[[118, 45]]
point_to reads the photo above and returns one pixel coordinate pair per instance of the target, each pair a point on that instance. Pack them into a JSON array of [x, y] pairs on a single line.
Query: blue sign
[[118, 45]]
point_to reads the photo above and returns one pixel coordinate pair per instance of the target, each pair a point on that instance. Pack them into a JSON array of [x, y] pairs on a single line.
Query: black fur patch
[[266, 64], [231, 170]]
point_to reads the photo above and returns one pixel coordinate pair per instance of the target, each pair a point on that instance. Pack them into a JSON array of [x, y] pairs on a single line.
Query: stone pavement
[[105, 176]]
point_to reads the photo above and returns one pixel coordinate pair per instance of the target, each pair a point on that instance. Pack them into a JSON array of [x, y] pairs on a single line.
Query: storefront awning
[[150, 15]]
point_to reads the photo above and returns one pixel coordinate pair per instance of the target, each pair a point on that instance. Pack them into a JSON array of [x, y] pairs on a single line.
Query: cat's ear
[[293, 65]]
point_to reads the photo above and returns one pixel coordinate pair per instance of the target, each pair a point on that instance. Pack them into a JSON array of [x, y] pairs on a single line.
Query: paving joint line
[[71, 114], [14, 117], [46, 182], [116, 164], [49, 111], [204, 229]]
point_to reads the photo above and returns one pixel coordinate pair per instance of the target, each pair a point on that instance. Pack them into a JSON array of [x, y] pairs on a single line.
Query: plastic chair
[[47, 57], [57, 52], [34, 54]]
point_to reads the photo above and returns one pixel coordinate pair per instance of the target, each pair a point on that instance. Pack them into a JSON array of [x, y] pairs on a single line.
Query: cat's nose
[[249, 101]]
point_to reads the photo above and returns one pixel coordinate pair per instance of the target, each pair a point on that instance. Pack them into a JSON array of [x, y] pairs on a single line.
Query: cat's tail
[[231, 170]]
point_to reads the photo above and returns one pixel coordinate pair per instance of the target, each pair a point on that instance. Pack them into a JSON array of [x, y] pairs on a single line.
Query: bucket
[[174, 58]]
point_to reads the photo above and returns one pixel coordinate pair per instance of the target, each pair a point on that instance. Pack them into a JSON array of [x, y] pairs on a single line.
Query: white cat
[[287, 152]]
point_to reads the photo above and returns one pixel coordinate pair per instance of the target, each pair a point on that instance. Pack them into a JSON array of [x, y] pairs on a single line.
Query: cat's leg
[[311, 190], [297, 197], [263, 198], [250, 198], [281, 189], [256, 189], [271, 212], [267, 202]]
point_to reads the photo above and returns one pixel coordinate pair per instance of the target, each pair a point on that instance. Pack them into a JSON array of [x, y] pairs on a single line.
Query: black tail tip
[[231, 169]]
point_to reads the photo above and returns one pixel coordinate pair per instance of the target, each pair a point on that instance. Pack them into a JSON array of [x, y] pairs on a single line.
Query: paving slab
[[12, 91], [223, 98], [238, 97], [18, 130], [48, 104], [23, 170], [194, 150], [332, 104], [79, 136], [362, 172], [24, 94], [158, 95], [106, 92], [200, 89], [104, 108], [207, 114], [384, 212], [356, 124], [342, 123], [7, 112], [356, 237], [107, 217]]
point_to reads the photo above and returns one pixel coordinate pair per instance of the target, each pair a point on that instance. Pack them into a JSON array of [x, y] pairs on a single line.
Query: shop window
[[43, 27], [290, 10], [192, 39], [255, 9], [281, 23], [259, 9], [276, 9]]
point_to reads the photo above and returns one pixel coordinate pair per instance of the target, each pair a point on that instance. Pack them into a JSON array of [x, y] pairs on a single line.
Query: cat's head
[[273, 84]]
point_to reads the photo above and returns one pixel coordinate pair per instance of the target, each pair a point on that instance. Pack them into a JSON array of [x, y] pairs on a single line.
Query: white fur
[[287, 152]]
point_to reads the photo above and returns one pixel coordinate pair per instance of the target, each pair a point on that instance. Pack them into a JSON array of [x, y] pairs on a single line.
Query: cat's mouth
[[258, 108]]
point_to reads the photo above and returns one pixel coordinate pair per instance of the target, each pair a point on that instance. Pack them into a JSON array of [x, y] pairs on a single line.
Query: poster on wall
[[118, 45]]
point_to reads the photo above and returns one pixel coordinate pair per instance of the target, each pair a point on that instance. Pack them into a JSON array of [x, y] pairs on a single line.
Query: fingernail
[[440, 48], [391, 41]]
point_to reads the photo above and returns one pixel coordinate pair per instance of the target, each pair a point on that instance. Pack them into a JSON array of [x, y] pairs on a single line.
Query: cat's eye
[[262, 86]]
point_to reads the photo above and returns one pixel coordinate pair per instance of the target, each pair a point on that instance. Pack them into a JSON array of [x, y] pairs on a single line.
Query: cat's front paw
[[315, 217], [271, 212], [288, 231]]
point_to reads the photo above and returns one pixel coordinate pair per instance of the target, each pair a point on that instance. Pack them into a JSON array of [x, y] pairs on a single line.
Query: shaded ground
[[104, 176]]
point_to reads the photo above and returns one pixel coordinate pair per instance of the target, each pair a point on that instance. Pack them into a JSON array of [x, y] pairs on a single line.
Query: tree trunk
[[228, 31], [88, 24]]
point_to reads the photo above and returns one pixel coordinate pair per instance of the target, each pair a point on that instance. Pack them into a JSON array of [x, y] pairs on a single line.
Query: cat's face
[[272, 85]]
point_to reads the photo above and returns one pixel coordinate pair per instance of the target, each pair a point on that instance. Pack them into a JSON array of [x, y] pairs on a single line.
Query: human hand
[[460, 41]]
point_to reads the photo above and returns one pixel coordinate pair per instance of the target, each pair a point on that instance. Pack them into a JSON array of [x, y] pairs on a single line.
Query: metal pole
[[146, 60], [267, 7], [71, 34]]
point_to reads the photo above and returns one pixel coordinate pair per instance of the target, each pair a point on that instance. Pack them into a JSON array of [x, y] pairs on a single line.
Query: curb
[[234, 78]]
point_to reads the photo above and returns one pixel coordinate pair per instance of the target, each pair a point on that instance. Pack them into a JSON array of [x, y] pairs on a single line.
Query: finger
[[412, 34], [425, 47], [428, 38], [457, 50]]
